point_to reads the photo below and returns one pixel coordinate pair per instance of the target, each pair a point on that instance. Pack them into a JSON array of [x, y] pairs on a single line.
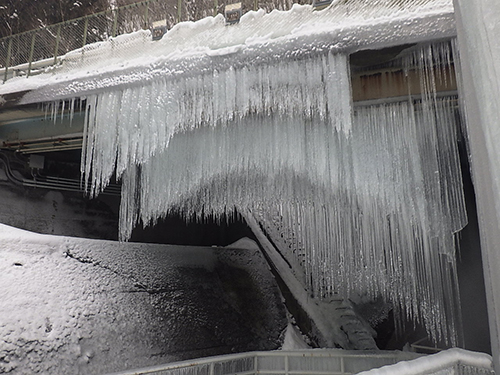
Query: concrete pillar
[[478, 30]]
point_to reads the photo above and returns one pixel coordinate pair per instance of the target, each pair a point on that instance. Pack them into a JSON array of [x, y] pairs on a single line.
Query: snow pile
[[293, 339], [448, 362]]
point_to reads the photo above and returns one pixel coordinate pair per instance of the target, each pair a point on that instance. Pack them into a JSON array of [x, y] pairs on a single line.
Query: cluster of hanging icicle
[[364, 200]]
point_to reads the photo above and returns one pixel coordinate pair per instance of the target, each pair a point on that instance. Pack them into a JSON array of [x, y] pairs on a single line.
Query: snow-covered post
[[179, 11], [7, 59], [32, 50], [478, 28], [85, 31], [115, 22], [58, 39], [146, 16]]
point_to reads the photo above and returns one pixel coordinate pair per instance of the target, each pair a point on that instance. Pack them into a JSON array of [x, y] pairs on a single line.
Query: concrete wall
[[57, 212], [478, 26]]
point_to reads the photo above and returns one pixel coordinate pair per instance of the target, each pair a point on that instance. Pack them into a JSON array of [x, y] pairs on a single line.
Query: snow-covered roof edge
[[193, 47]]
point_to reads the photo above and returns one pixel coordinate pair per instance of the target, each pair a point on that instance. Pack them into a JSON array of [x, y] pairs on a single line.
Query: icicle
[[71, 111]]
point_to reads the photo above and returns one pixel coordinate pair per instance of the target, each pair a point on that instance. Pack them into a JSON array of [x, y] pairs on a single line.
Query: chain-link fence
[[19, 52]]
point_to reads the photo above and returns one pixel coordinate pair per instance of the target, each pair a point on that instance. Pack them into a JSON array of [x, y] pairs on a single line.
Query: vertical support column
[[85, 31], [146, 16], [115, 22], [478, 30], [32, 50], [58, 37], [7, 59], [216, 7]]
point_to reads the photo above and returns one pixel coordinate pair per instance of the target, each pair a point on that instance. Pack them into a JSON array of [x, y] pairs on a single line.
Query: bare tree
[[21, 15]]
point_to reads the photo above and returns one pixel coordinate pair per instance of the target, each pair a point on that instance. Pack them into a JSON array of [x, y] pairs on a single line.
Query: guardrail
[[329, 362], [32, 51], [301, 362]]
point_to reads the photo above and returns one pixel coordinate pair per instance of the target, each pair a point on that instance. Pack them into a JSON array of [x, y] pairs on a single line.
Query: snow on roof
[[259, 37]]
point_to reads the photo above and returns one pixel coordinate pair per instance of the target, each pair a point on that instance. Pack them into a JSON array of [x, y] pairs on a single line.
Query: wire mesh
[[197, 9], [163, 10], [20, 49], [56, 40], [45, 43], [99, 27], [71, 36], [131, 18]]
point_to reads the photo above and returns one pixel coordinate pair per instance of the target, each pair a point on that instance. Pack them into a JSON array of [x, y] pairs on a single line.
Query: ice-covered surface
[[442, 363], [196, 47], [244, 243], [293, 339], [76, 306]]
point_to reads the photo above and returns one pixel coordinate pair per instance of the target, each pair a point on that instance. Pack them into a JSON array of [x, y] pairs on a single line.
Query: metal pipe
[[53, 183], [405, 98]]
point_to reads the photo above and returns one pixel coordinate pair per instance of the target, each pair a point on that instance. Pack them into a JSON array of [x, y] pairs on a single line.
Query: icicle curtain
[[360, 201]]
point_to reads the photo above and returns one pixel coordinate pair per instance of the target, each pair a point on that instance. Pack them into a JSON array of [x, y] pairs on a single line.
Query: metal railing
[[329, 362], [32, 51], [301, 362]]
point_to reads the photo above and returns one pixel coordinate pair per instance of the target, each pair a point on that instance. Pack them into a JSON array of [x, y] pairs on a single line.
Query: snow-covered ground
[[78, 306]]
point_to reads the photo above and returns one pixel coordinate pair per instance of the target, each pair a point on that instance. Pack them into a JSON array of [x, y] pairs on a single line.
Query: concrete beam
[[478, 28]]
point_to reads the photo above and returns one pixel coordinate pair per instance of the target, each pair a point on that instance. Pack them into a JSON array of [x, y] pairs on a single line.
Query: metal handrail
[[340, 362], [258, 362]]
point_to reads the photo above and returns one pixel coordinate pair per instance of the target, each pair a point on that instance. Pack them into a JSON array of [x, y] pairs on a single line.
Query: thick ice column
[[478, 27]]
